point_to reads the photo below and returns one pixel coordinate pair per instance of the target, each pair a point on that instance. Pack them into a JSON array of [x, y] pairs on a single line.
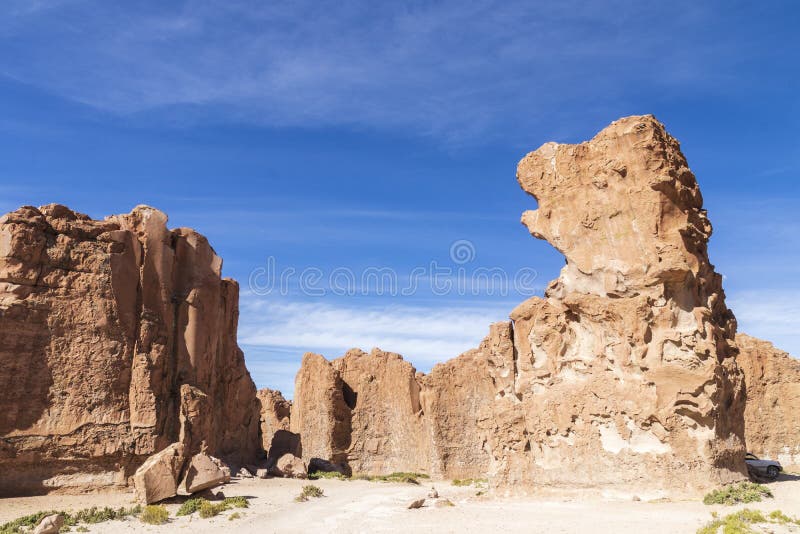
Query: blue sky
[[358, 135]]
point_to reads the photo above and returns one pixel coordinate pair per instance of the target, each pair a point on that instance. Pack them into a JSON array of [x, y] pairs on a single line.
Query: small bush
[[81, 529], [309, 490], [234, 515], [331, 475], [89, 515], [740, 522], [779, 517], [470, 482], [208, 509], [237, 502], [744, 492], [399, 476], [154, 514], [25, 522], [191, 506]]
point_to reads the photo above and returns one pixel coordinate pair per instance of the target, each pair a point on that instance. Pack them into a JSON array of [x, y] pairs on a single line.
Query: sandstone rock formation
[[158, 477], [276, 437], [772, 413], [118, 338], [320, 414], [623, 374]]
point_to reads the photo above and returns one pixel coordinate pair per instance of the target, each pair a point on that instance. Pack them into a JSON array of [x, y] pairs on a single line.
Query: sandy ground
[[360, 506]]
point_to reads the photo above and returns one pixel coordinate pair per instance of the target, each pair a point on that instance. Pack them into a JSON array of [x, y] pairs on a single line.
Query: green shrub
[[81, 529], [234, 515], [400, 476], [237, 502], [740, 522], [744, 492], [88, 515], [331, 475], [470, 482], [309, 490], [208, 509], [191, 506], [154, 514], [25, 522]]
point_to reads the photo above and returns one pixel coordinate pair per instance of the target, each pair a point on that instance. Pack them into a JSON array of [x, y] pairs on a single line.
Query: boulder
[[244, 473], [290, 466], [158, 477], [50, 524], [416, 504], [204, 472]]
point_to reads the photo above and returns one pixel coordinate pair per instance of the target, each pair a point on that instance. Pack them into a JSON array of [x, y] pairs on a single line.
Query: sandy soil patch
[[361, 506]]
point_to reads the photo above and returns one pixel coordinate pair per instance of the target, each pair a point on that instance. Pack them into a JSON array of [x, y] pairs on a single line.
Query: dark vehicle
[[763, 468]]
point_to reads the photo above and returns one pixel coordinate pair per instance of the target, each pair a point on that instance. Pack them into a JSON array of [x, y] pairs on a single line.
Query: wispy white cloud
[[771, 315], [449, 69], [281, 332]]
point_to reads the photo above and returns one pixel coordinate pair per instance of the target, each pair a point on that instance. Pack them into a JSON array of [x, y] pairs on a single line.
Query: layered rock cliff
[[118, 338], [772, 413], [623, 374]]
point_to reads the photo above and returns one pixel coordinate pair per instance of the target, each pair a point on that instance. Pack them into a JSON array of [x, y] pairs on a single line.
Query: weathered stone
[[204, 472], [624, 374], [50, 524], [290, 466], [416, 504], [158, 477], [276, 437], [102, 323], [383, 397], [772, 414], [320, 414]]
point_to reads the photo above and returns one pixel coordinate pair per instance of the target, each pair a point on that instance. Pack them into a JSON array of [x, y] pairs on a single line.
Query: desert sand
[[361, 506]]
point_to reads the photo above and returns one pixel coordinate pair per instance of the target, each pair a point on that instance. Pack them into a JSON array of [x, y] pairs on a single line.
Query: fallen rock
[[204, 472], [262, 473], [433, 494], [110, 319], [290, 466], [244, 473], [158, 477], [772, 414], [416, 504], [50, 524]]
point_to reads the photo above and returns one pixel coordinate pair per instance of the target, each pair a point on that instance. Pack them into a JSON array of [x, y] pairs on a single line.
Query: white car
[[763, 468]]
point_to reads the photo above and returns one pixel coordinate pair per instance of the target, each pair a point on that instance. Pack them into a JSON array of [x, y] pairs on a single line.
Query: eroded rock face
[[276, 436], [772, 414], [118, 338], [627, 362], [624, 374], [320, 414]]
